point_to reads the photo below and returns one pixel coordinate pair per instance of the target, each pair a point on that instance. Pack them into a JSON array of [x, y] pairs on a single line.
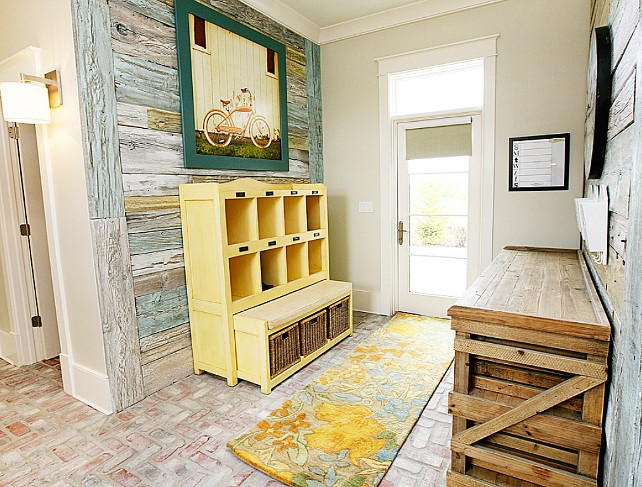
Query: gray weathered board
[[619, 282]]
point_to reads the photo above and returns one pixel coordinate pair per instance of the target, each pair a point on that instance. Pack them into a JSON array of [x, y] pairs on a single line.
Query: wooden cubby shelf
[[255, 245]]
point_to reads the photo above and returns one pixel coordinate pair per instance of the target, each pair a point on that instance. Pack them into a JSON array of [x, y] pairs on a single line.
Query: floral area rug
[[345, 428]]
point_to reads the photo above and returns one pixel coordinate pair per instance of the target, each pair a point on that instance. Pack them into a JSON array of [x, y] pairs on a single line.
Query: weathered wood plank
[[456, 479], [624, 16], [138, 35], [157, 261], [161, 10], [147, 221], [315, 122], [547, 428], [621, 111], [90, 20], [145, 83], [151, 203], [256, 20], [154, 152], [158, 340], [529, 357], [153, 184], [161, 311], [159, 281], [155, 241], [295, 68], [521, 468], [535, 405], [118, 311], [132, 115], [296, 142], [161, 344], [164, 120], [617, 171], [167, 370], [225, 179]]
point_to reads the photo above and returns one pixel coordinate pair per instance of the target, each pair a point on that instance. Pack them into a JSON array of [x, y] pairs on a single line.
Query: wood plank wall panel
[[151, 156], [90, 20], [623, 18], [619, 281]]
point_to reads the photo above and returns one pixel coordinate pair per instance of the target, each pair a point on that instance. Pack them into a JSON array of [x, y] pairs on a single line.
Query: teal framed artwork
[[233, 92]]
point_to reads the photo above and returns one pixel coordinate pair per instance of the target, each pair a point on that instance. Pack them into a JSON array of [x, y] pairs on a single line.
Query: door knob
[[400, 232]]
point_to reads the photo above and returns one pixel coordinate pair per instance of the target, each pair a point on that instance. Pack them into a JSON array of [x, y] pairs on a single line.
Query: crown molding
[[287, 16], [415, 12]]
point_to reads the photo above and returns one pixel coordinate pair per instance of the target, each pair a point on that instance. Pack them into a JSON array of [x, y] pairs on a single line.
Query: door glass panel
[[438, 165], [438, 235], [437, 276], [439, 194]]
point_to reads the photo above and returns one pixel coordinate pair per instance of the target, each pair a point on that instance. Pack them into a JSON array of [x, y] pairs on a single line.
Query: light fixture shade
[[25, 103]]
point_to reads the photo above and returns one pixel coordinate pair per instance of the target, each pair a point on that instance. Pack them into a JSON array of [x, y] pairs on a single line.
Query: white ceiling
[[324, 21], [330, 12]]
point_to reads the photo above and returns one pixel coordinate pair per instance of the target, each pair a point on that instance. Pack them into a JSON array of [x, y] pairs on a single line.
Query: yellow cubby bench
[[272, 332]]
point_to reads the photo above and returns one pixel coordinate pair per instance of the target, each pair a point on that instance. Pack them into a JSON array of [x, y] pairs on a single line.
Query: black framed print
[[232, 91], [539, 162]]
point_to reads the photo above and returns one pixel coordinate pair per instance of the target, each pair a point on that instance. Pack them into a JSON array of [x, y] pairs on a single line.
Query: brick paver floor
[[177, 436]]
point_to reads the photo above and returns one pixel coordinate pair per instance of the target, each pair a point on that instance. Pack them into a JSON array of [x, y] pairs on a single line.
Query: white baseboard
[[86, 385], [367, 301], [8, 349]]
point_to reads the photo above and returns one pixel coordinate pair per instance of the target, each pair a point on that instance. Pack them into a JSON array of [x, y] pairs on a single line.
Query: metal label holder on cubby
[[593, 221]]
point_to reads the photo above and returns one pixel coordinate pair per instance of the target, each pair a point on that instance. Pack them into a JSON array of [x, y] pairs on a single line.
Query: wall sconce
[[28, 101]]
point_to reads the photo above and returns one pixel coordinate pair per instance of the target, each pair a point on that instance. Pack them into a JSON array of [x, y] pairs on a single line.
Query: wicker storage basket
[[284, 349], [338, 318], [313, 332]]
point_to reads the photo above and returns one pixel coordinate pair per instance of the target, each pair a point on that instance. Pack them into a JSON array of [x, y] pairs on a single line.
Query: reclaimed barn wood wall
[[135, 164], [619, 281]]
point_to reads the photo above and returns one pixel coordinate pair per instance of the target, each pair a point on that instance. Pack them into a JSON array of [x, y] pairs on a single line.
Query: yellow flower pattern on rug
[[345, 428]]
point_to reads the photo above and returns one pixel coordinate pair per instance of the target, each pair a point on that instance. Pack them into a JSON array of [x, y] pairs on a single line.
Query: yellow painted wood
[[247, 242]]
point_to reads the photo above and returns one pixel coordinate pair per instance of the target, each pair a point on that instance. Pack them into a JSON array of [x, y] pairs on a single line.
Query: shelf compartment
[[240, 220], [273, 268], [295, 214], [313, 212], [297, 261], [315, 256], [270, 215], [245, 276]]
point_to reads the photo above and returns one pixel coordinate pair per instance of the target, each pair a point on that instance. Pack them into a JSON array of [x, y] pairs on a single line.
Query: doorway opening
[[436, 115]]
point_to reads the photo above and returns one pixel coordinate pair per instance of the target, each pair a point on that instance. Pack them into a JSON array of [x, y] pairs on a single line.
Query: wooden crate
[[531, 354]]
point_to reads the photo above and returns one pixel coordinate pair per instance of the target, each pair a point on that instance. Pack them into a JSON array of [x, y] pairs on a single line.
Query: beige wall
[[47, 24], [540, 88]]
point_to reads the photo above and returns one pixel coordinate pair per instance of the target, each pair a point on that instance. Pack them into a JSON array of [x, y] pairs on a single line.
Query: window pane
[[439, 276], [199, 32], [445, 194], [441, 88], [438, 235]]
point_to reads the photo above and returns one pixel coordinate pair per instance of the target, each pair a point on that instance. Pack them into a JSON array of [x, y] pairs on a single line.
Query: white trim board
[[414, 12], [482, 48], [86, 385]]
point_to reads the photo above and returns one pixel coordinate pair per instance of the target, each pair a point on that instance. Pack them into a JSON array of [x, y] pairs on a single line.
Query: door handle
[[400, 232]]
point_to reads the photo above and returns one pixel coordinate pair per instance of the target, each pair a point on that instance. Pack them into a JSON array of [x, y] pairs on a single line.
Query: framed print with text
[[539, 162]]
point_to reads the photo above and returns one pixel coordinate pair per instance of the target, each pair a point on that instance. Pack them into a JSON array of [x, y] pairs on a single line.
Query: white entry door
[[438, 211]]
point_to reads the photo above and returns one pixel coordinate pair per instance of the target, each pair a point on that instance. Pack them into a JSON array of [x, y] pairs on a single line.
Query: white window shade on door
[[442, 141]]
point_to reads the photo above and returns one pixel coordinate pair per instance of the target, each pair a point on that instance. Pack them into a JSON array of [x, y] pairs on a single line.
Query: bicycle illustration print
[[221, 125]]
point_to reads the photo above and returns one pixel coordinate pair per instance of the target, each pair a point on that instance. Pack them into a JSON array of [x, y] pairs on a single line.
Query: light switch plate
[[365, 207]]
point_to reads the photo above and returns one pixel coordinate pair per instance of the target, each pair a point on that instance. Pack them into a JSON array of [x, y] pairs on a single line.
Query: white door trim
[[484, 48]]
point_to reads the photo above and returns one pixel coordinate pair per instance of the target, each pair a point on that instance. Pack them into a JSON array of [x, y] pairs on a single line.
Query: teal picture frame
[[193, 124]]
